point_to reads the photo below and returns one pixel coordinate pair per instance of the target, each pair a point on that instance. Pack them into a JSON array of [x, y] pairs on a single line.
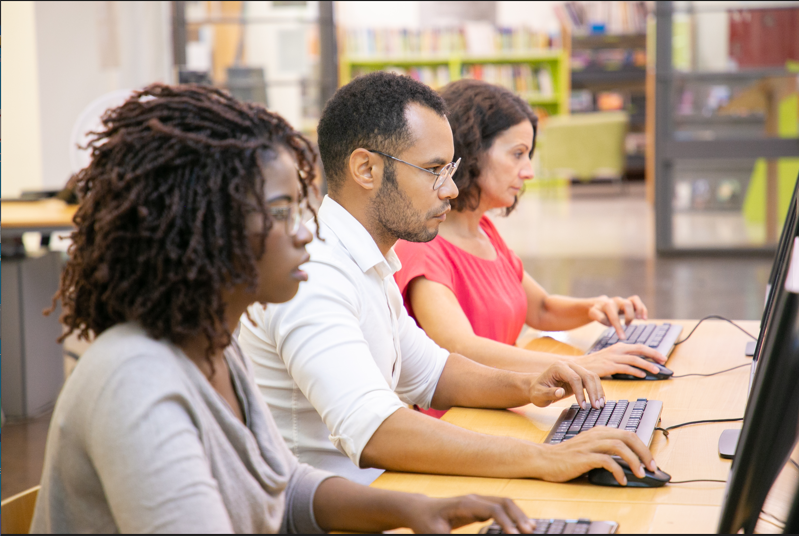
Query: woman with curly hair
[[190, 212], [466, 288]]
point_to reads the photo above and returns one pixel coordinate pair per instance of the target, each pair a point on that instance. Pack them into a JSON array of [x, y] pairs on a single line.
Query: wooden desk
[[47, 215], [689, 453]]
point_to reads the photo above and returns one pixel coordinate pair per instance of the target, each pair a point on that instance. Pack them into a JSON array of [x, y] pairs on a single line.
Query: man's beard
[[394, 211]]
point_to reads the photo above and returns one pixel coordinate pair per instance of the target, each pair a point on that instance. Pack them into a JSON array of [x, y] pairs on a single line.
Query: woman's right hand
[[622, 358], [439, 516]]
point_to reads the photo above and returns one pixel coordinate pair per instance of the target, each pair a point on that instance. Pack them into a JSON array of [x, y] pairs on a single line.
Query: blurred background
[[669, 143]]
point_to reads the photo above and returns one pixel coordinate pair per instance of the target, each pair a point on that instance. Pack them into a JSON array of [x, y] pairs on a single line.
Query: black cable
[[795, 463], [708, 421], [696, 480], [712, 373], [711, 317]]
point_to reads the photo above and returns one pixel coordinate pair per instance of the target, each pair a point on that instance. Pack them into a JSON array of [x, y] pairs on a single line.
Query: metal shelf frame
[[668, 150]]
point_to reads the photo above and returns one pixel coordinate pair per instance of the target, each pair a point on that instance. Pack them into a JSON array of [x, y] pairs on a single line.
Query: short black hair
[[369, 112]]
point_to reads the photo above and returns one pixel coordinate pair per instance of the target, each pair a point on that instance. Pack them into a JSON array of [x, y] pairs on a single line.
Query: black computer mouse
[[663, 374], [603, 477]]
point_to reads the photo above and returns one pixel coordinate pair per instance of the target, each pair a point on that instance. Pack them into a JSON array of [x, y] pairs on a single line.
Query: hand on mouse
[[622, 358], [595, 448], [609, 311], [565, 379]]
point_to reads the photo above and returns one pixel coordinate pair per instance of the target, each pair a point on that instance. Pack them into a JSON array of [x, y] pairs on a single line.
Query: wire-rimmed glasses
[[441, 176]]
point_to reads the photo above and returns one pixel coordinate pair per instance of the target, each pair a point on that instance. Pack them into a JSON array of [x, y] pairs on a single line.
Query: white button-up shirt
[[343, 355]]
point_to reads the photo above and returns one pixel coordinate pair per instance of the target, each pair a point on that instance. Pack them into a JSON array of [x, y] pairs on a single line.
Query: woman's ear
[[365, 168]]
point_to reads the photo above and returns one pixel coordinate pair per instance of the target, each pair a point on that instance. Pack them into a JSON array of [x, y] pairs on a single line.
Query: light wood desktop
[[44, 215], [689, 453]]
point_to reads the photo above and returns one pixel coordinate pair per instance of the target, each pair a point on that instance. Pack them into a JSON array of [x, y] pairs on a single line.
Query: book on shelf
[[472, 38], [613, 18]]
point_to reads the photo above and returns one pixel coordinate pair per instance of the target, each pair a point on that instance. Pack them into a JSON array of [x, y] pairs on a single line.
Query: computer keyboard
[[563, 526], [640, 416], [661, 337]]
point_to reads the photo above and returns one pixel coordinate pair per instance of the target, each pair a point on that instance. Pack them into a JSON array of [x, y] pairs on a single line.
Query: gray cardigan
[[140, 442]]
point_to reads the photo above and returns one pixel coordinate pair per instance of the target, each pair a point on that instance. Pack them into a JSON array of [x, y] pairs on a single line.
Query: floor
[[581, 242]]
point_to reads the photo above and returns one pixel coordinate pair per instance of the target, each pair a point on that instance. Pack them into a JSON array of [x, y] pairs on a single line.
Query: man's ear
[[366, 168]]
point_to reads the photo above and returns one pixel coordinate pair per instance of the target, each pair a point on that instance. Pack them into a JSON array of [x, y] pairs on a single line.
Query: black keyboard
[[563, 526], [661, 337], [640, 416]]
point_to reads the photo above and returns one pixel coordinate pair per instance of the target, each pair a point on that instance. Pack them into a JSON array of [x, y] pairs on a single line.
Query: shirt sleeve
[[148, 454], [423, 362], [318, 336], [298, 517]]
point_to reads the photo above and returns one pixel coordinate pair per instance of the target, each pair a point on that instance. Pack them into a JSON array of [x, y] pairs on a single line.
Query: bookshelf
[[540, 76]]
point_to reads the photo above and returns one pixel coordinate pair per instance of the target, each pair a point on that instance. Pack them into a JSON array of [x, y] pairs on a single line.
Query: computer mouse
[[603, 477], [663, 374]]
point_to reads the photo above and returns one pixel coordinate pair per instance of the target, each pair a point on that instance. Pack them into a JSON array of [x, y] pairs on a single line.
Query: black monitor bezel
[[765, 445], [789, 232]]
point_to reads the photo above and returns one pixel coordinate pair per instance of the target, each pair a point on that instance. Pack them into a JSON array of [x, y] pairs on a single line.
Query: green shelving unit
[[555, 60]]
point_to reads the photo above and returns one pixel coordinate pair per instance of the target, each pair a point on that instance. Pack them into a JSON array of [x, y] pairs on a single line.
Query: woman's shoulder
[[126, 356], [493, 234]]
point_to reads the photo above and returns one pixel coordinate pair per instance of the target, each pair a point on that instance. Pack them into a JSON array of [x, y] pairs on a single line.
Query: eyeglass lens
[[446, 172]]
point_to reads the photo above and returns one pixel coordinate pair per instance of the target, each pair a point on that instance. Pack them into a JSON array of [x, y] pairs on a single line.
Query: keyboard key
[[634, 333], [645, 333]]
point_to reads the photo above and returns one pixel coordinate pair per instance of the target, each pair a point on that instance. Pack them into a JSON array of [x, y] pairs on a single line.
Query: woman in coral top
[[466, 288]]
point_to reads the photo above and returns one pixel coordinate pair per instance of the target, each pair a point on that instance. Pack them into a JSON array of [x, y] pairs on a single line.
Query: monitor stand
[[728, 441]]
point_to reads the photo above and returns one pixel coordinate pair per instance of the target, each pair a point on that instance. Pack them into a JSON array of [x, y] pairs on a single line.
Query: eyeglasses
[[446, 172], [292, 215]]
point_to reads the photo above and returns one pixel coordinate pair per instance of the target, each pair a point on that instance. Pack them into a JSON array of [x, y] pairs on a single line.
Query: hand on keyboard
[[565, 379], [595, 448], [622, 358], [440, 516], [610, 311]]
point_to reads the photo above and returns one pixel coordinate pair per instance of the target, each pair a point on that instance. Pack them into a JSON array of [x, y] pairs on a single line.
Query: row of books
[[470, 39], [584, 100], [435, 77], [603, 17], [608, 59], [520, 78]]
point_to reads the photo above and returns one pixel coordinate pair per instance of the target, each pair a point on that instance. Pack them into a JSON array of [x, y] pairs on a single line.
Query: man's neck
[[360, 211]]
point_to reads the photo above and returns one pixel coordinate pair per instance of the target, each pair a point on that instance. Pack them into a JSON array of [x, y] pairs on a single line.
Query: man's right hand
[[595, 448], [622, 358], [564, 379]]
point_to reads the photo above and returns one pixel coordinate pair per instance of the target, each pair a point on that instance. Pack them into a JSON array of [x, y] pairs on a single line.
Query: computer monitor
[[769, 430], [789, 232], [792, 523]]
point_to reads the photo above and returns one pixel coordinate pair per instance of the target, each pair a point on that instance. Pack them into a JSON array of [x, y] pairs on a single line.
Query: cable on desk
[[712, 317], [795, 463], [696, 480], [708, 421], [712, 373]]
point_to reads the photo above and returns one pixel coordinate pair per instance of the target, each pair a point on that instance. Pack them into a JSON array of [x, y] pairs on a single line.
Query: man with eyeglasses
[[340, 363]]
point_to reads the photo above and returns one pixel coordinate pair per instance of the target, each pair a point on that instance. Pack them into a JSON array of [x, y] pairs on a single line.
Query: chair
[[584, 146], [17, 512]]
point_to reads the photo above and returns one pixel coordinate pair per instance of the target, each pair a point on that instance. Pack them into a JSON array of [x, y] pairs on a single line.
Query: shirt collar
[[357, 240]]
